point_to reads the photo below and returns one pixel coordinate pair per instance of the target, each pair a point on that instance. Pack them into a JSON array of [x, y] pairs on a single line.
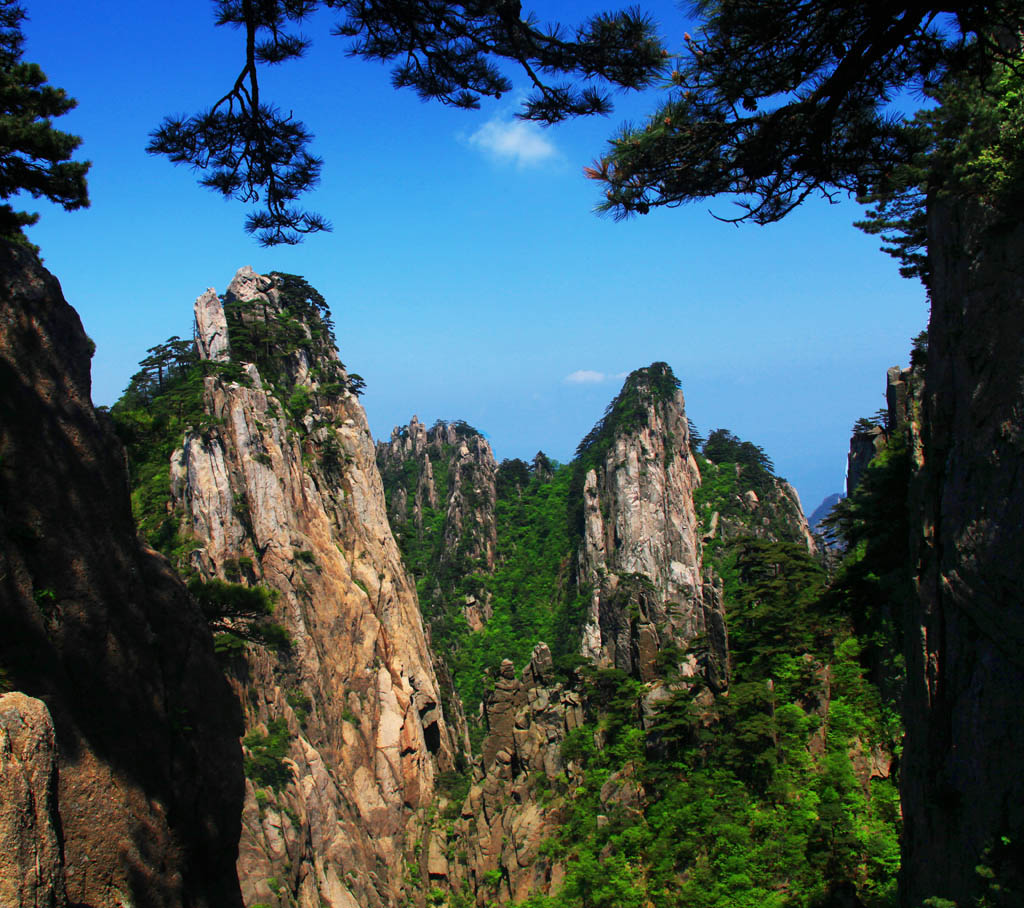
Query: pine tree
[[773, 101], [250, 151], [34, 157]]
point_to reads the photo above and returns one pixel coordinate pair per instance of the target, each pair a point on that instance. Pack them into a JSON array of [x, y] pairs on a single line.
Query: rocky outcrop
[[865, 444], [963, 793], [282, 489], [449, 466], [640, 551], [97, 627], [31, 858], [773, 512], [516, 800], [470, 531]]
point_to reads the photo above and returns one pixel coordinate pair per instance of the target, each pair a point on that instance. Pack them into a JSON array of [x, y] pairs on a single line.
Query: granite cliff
[[640, 552], [278, 490], [119, 758], [963, 793]]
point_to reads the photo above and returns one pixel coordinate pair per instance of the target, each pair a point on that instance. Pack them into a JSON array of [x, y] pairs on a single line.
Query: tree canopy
[[775, 100], [249, 150], [34, 157]]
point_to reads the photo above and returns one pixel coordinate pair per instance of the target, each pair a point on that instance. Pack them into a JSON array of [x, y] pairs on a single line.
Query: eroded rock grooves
[[100, 630], [640, 552], [963, 791], [287, 495]]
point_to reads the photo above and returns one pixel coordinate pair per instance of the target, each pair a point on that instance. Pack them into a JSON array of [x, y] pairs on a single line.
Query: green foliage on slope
[[162, 401], [530, 590], [265, 753], [777, 792], [271, 337], [762, 796], [238, 614], [759, 797], [530, 593], [874, 584], [965, 148]]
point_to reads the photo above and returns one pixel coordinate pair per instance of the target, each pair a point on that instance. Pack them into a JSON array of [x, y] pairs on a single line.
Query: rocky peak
[[278, 323], [503, 822], [470, 529], [211, 328], [640, 550], [449, 466], [280, 490]]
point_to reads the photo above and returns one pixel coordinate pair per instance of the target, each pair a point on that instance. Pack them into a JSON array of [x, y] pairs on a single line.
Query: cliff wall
[[640, 552], [281, 490], [963, 794], [100, 634]]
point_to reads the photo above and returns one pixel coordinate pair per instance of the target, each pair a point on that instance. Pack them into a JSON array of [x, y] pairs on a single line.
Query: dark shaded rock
[[863, 447], [963, 789], [100, 629]]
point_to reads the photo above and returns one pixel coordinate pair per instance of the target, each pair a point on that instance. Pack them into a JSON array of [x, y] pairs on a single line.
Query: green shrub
[[299, 402], [264, 764]]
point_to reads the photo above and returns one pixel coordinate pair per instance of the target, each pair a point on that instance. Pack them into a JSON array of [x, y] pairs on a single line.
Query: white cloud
[[585, 377], [515, 141]]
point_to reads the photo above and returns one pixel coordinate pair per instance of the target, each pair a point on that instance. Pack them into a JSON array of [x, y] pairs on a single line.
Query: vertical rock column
[[963, 791], [293, 494], [640, 549], [31, 857]]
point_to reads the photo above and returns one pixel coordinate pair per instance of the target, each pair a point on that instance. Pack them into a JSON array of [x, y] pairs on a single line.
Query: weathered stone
[[962, 788], [304, 505], [211, 330], [98, 626], [31, 859], [641, 548]]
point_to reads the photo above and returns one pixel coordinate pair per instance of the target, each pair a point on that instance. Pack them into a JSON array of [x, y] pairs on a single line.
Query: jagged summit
[[274, 488], [278, 323], [642, 392]]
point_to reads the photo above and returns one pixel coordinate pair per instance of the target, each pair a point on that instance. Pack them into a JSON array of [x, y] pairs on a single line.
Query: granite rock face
[[641, 549], [456, 471], [98, 627], [31, 858], [282, 490], [963, 792], [496, 837]]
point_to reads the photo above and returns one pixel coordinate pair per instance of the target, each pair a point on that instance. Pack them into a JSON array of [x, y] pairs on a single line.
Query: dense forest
[[778, 788]]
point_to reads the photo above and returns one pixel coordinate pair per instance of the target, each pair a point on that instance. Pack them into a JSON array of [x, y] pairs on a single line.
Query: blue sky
[[468, 276]]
